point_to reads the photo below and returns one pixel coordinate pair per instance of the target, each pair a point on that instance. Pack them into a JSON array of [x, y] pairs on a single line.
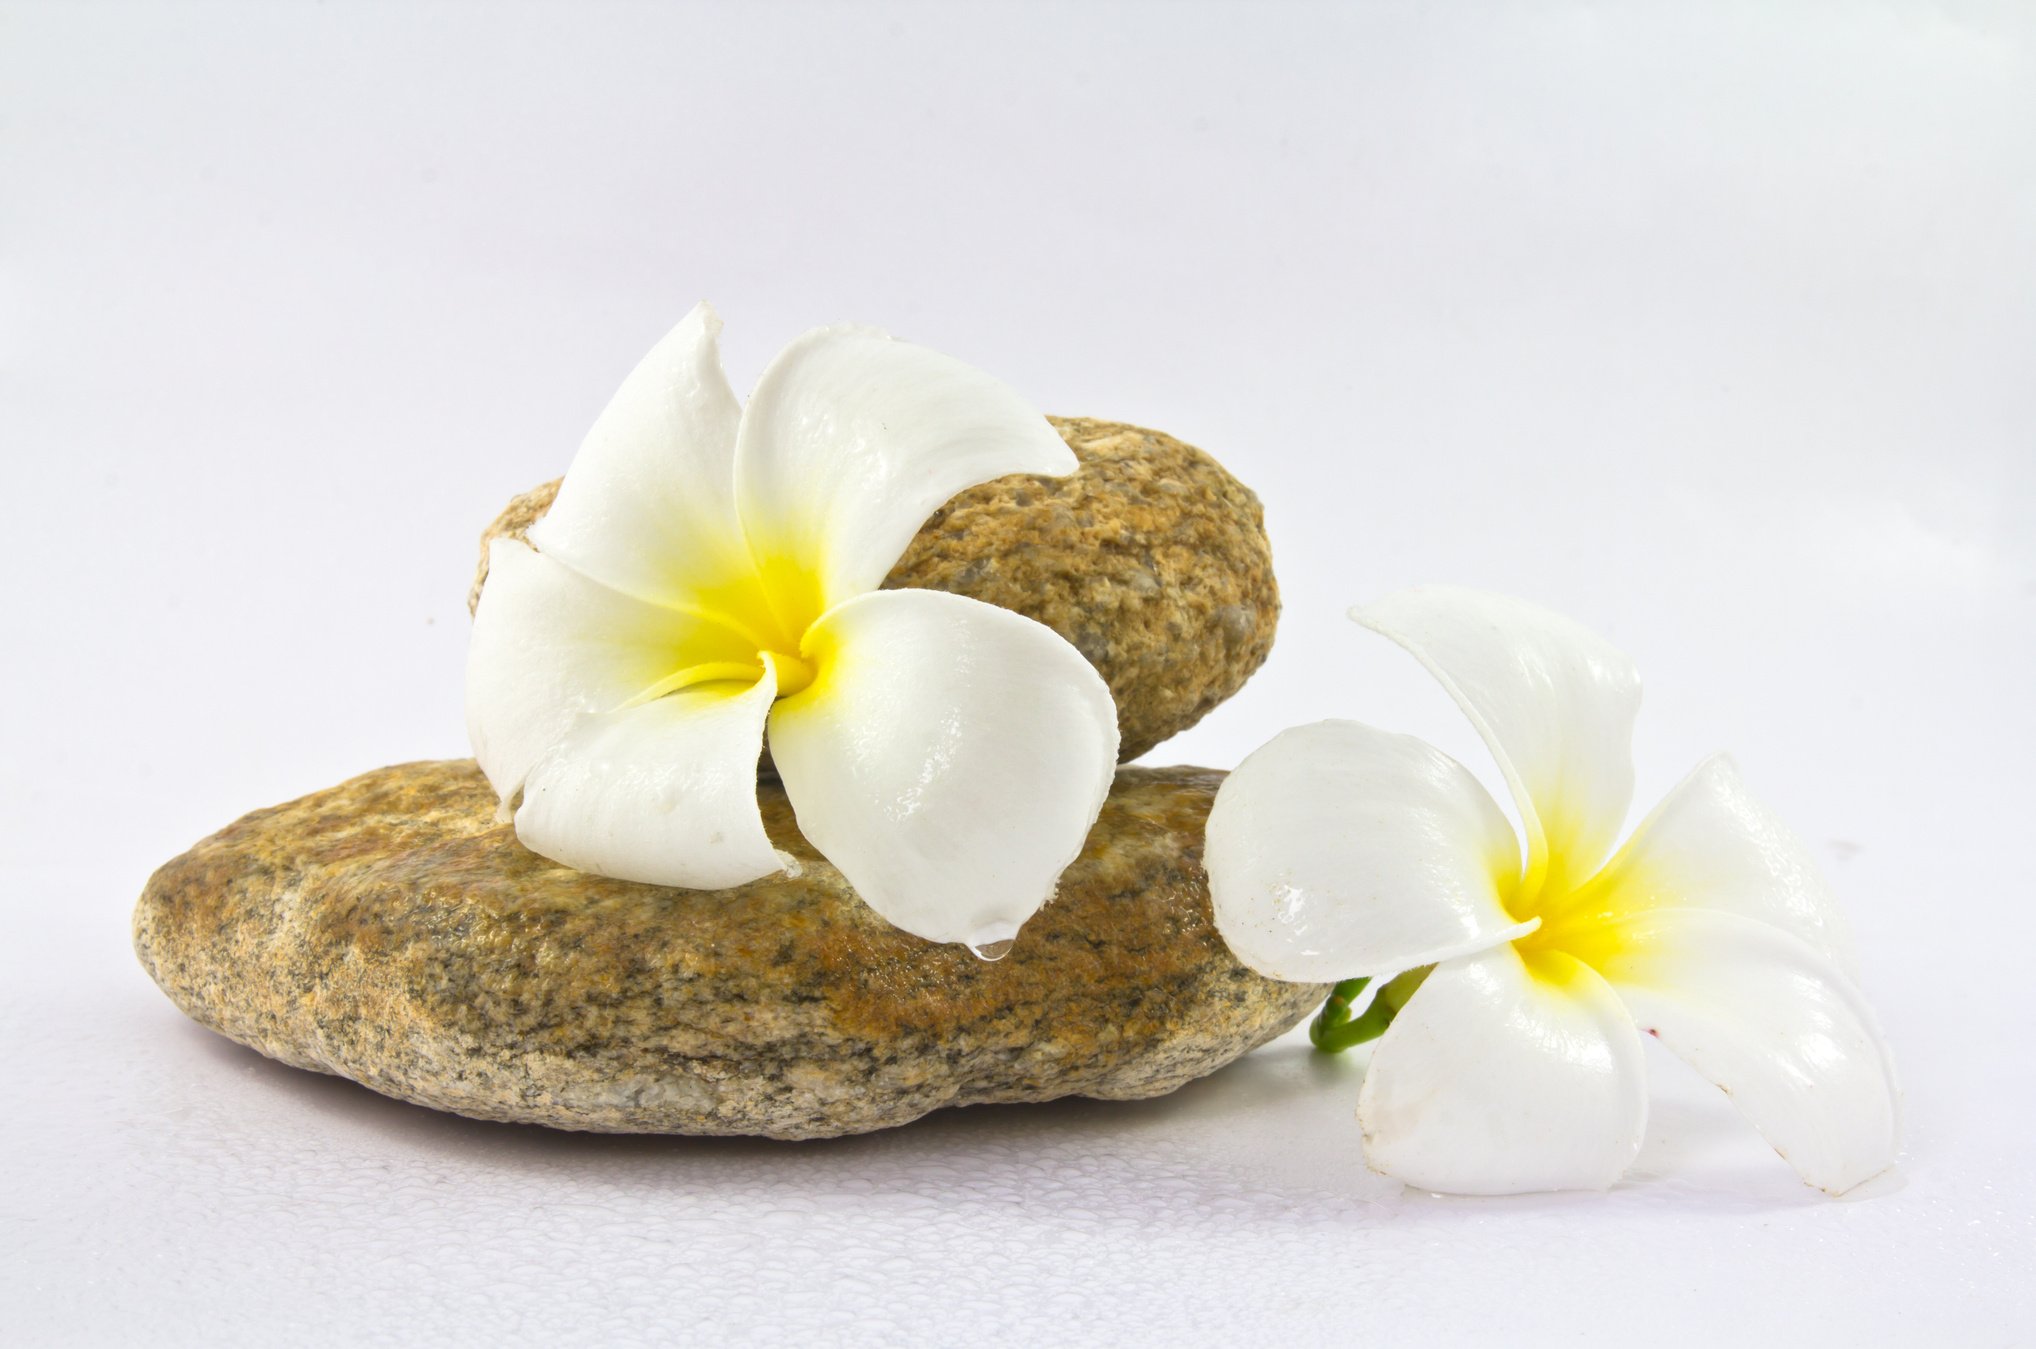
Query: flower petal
[[1711, 844], [648, 505], [1337, 850], [1506, 1074], [664, 792], [550, 646], [1553, 700], [1776, 1025], [853, 438], [949, 758]]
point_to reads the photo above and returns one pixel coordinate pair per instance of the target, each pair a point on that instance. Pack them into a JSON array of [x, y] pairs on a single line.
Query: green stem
[[1333, 1030]]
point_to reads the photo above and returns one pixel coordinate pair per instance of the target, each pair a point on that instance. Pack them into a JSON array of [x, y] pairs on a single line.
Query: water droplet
[[994, 951]]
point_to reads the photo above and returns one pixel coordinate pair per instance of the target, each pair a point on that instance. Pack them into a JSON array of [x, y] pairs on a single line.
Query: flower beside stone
[[1511, 1058], [708, 576]]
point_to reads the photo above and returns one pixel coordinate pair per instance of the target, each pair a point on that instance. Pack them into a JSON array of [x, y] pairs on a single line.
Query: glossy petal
[[1337, 850], [550, 646], [648, 506], [1711, 844], [1506, 1075], [1775, 1024], [1553, 700], [949, 758], [664, 792], [853, 438]]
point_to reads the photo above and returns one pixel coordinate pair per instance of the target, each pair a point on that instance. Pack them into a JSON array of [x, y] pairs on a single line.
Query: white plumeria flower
[[709, 572], [1337, 850]]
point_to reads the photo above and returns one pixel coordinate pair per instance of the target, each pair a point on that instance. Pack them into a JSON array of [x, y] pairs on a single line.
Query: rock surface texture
[[390, 931], [1150, 558]]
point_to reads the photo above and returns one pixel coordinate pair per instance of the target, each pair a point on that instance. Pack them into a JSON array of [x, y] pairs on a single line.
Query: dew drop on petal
[[994, 951]]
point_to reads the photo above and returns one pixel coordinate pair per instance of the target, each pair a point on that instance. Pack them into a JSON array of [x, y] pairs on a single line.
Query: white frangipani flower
[[709, 574], [1337, 850]]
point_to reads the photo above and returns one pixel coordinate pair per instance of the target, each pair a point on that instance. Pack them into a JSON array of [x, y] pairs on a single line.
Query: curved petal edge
[[663, 793], [854, 438], [949, 758], [647, 506], [550, 646], [1711, 844], [1554, 701], [1506, 1075], [1777, 1026], [1337, 850]]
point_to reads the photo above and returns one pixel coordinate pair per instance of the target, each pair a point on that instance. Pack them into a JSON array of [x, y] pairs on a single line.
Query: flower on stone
[[709, 575], [1339, 850]]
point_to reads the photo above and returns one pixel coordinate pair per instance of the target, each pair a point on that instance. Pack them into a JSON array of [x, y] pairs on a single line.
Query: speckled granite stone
[[390, 931], [1150, 558]]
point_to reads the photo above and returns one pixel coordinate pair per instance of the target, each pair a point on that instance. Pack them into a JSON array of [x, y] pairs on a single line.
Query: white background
[[1712, 326]]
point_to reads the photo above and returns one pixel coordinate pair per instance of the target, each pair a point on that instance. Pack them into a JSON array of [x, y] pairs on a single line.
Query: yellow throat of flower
[[1578, 920], [760, 615]]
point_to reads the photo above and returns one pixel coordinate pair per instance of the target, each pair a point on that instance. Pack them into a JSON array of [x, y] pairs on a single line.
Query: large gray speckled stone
[[391, 931]]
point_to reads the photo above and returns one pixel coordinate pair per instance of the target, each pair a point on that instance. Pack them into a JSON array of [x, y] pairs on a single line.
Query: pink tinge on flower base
[[708, 577], [1337, 850]]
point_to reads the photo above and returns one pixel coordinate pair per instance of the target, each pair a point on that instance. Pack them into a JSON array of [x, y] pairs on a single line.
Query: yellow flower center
[[758, 614], [794, 673], [1577, 920]]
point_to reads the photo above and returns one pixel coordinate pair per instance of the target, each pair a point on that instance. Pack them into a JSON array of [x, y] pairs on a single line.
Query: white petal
[[648, 505], [1774, 1023], [663, 793], [1711, 845], [853, 438], [550, 646], [1553, 700], [1506, 1075], [949, 758], [1337, 850]]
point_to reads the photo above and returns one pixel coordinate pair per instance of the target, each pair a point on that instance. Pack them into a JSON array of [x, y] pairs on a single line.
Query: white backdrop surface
[[1714, 326]]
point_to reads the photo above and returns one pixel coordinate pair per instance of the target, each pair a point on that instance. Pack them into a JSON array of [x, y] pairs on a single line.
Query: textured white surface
[[1712, 327]]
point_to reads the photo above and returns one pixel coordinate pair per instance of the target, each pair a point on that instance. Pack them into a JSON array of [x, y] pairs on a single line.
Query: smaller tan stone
[[1150, 558], [389, 930]]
